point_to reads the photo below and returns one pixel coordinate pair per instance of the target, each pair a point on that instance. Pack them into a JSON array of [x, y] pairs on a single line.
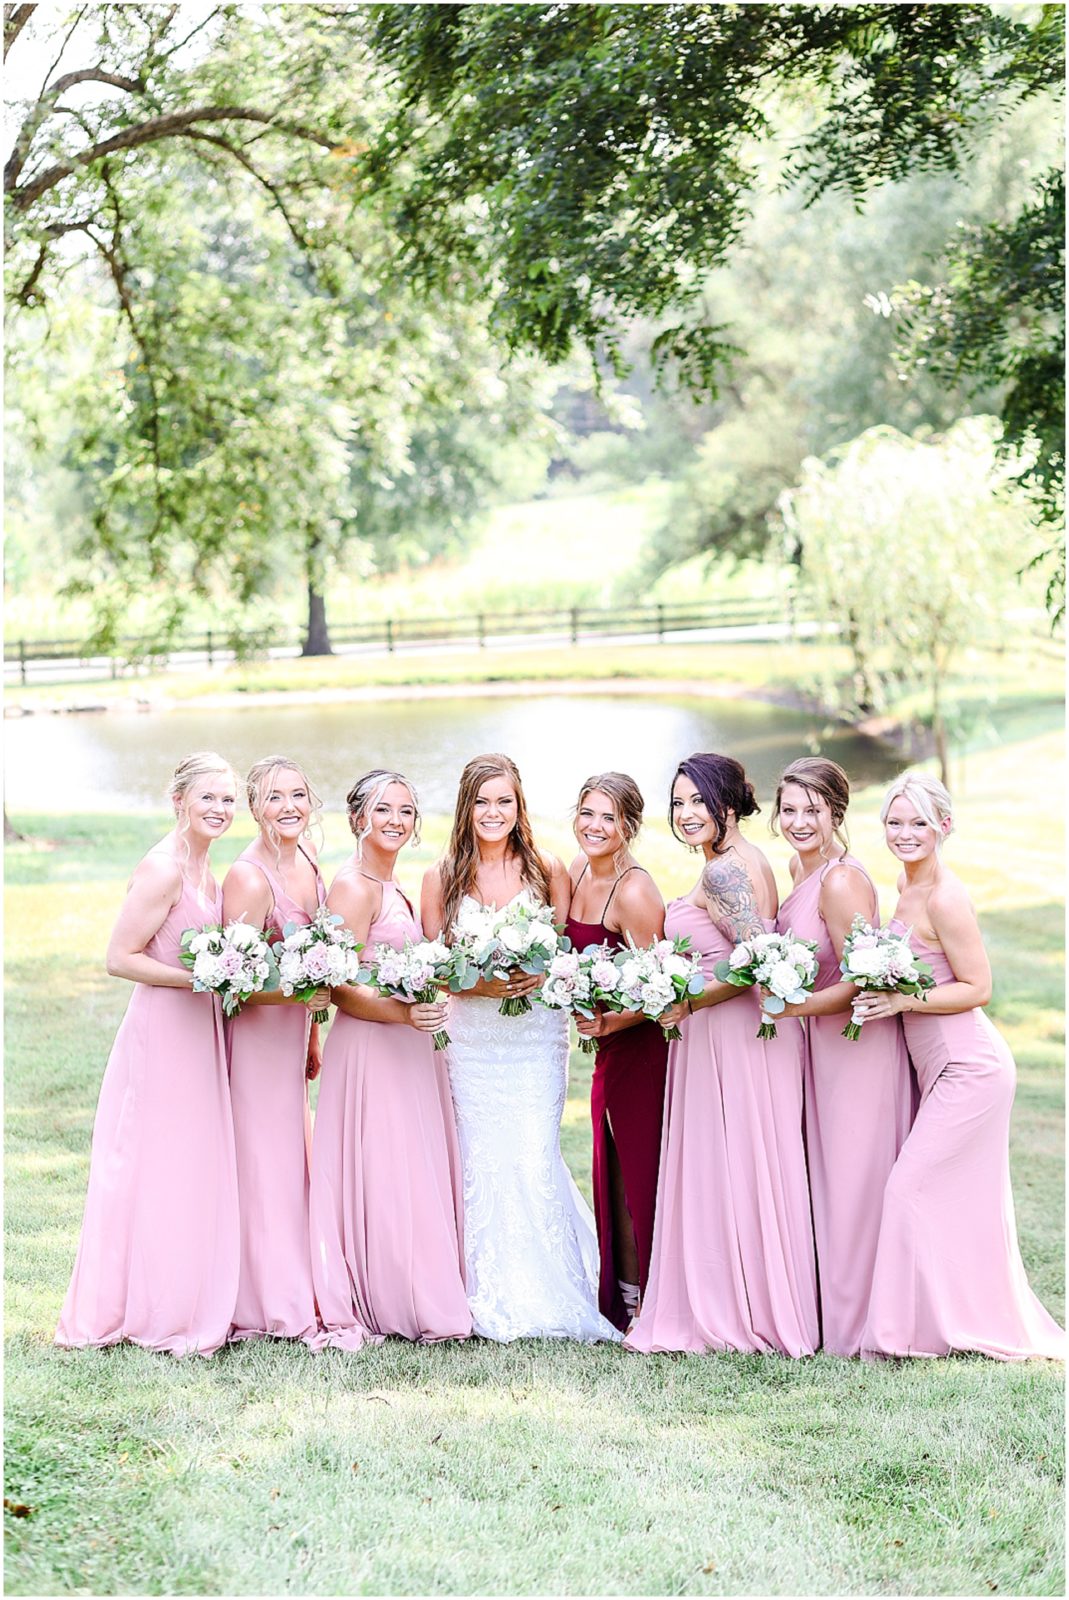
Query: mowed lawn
[[539, 1467]]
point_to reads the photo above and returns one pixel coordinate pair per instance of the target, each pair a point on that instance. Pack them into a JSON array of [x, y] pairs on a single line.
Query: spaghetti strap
[[616, 884]]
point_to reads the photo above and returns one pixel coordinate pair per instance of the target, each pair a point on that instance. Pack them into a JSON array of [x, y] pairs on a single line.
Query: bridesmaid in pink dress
[[948, 1272], [733, 1265], [858, 1095], [273, 882], [387, 1252], [614, 899], [158, 1258]]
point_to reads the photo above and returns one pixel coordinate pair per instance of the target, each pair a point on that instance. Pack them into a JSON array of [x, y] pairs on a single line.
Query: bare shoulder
[[245, 875], [638, 889], [575, 871], [353, 890], [553, 864], [725, 878], [845, 885], [432, 879], [949, 901], [158, 876]]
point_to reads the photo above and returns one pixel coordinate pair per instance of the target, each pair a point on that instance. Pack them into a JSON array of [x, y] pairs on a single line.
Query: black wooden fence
[[479, 629]]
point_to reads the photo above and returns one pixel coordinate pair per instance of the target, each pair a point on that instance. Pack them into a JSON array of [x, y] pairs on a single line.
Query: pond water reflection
[[117, 761]]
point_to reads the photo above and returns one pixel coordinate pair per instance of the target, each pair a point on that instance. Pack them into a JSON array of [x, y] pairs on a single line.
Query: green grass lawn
[[539, 1467]]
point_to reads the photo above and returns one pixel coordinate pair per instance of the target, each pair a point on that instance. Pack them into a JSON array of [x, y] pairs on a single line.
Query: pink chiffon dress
[[272, 1135], [387, 1249], [158, 1258], [858, 1110], [948, 1274], [733, 1265]]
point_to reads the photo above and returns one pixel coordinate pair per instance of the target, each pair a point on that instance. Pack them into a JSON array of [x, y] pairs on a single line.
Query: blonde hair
[[627, 807], [258, 784], [930, 797], [185, 775], [366, 793]]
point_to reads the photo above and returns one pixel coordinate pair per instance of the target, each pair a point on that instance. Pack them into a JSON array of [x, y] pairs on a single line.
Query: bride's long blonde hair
[[460, 864]]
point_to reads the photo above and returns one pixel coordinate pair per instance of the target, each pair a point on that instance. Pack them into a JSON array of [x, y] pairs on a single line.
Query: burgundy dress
[[626, 1104]]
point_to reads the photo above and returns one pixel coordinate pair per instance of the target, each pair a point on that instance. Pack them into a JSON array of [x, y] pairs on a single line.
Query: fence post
[[114, 665], [211, 656], [480, 629], [660, 622], [22, 661], [389, 634], [575, 624]]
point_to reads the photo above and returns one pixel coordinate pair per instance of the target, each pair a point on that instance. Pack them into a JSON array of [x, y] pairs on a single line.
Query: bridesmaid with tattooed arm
[[733, 1265]]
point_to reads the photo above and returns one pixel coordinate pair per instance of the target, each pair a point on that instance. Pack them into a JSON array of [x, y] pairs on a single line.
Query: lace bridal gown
[[529, 1242]]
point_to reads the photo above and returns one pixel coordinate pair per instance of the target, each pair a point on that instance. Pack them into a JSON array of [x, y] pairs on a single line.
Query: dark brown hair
[[723, 786]]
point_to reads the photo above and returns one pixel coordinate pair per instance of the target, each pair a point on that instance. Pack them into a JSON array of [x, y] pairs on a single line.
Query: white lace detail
[[529, 1240]]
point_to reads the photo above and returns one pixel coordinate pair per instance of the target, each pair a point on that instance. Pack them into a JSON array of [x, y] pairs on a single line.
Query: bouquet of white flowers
[[232, 962], [317, 955], [785, 968], [414, 974], [577, 981], [876, 958], [653, 979], [489, 943]]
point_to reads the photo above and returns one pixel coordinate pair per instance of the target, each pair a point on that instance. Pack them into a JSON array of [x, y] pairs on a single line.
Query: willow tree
[[911, 548]]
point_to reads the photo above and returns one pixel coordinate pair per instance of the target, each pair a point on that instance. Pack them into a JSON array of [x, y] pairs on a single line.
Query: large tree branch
[[175, 123], [47, 104], [15, 19]]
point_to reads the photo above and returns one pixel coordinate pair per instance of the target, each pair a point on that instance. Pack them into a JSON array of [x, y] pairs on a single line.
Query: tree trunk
[[11, 833], [317, 638], [939, 727]]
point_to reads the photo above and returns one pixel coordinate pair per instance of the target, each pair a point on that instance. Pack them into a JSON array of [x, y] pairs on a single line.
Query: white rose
[[740, 957], [206, 969], [782, 980], [867, 963], [675, 967], [514, 939], [201, 943]]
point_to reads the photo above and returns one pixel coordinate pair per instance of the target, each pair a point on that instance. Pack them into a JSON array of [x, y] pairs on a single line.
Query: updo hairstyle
[[366, 793], [627, 804], [928, 795], [188, 772], [723, 786], [817, 775], [258, 785]]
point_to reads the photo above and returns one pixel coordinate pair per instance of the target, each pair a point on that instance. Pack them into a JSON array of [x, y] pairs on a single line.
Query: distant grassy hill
[[568, 548]]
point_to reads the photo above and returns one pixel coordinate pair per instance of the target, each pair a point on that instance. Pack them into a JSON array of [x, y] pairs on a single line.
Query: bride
[[529, 1242]]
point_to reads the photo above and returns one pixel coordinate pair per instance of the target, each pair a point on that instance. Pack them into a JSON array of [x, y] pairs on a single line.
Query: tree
[[998, 317], [909, 546], [611, 155], [270, 383], [608, 152]]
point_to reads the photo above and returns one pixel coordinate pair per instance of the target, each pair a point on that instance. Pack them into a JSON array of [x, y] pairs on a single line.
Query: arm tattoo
[[730, 895]]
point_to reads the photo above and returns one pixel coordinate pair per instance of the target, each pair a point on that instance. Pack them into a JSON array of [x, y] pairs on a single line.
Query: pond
[[123, 760]]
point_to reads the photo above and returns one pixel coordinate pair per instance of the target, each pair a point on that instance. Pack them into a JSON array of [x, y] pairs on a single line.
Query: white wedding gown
[[530, 1246]]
